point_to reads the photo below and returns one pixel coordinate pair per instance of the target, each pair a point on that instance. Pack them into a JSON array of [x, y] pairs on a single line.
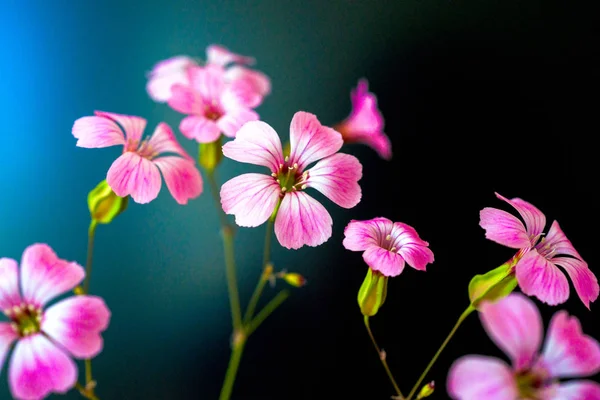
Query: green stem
[[84, 392], [264, 277], [267, 310], [90, 255], [232, 368], [382, 358], [462, 317]]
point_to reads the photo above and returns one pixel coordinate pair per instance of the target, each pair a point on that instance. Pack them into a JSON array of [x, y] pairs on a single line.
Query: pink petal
[[481, 378], [76, 323], [387, 262], [167, 73], [181, 176], [133, 126], [9, 284], [575, 390], [233, 120], [136, 176], [504, 228], [540, 278], [251, 198], [7, 337], [38, 368], [163, 141], [379, 142], [411, 247], [208, 81], [568, 352], [45, 276], [219, 55], [310, 141], [535, 221], [337, 178], [360, 235], [584, 281], [97, 132], [515, 325], [185, 100], [199, 128], [302, 220], [365, 116], [256, 143], [260, 83], [557, 240], [240, 94]]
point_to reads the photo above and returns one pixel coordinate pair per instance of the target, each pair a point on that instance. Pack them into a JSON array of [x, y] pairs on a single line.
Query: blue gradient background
[[159, 266]]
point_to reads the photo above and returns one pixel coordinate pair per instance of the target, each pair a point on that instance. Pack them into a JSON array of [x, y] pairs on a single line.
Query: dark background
[[478, 97]]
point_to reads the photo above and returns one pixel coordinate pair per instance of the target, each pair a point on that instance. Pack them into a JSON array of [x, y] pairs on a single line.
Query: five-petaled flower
[[387, 245], [137, 171], [300, 220], [537, 270], [515, 325], [46, 339], [365, 122]]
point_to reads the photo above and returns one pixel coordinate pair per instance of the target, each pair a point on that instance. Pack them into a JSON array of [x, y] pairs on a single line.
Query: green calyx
[[493, 285], [210, 154], [372, 293], [104, 204]]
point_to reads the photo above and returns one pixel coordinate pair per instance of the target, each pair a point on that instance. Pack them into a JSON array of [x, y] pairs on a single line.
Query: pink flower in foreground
[[365, 122], [46, 339], [301, 220], [537, 271], [515, 325], [214, 106], [387, 245], [137, 171]]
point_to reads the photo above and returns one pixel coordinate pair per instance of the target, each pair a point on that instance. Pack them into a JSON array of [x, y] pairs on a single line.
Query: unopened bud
[[292, 278], [372, 293], [426, 390], [104, 204], [210, 154]]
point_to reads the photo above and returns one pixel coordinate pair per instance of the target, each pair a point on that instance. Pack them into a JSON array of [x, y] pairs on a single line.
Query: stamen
[[294, 188], [274, 175], [31, 307], [303, 186], [16, 310], [283, 189], [388, 237], [393, 249], [280, 166], [278, 181], [296, 165], [286, 159]]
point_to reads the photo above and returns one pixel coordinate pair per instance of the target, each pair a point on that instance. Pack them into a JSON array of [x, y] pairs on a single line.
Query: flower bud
[[426, 390], [104, 204], [372, 293], [292, 278], [210, 155]]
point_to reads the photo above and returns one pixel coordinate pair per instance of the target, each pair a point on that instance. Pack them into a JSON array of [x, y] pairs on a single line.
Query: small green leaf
[[372, 293], [104, 204], [492, 285]]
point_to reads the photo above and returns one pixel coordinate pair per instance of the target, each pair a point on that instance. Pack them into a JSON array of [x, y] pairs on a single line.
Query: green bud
[[426, 390], [210, 154], [493, 285], [372, 293], [104, 204]]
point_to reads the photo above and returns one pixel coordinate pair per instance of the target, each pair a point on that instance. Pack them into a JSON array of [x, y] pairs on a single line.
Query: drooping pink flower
[[301, 220], [387, 245], [137, 171], [537, 271], [365, 122], [46, 338], [515, 325]]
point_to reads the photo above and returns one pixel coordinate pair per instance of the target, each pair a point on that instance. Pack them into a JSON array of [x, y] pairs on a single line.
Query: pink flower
[[214, 106], [301, 220], [387, 245], [515, 325], [537, 271], [137, 171], [167, 73], [365, 122], [46, 339]]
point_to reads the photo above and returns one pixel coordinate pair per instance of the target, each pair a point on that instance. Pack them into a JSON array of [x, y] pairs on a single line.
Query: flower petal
[[252, 198], [387, 262], [365, 116], [9, 284], [310, 141], [504, 228], [7, 337], [540, 278], [515, 325], [97, 132], [208, 81], [181, 176], [185, 100], [568, 352], [132, 125], [163, 141], [378, 141], [584, 281], [75, 323], [481, 378], [199, 128], [240, 94], [360, 235], [557, 240], [256, 143], [302, 220], [38, 368], [136, 176], [167, 73], [575, 390], [231, 122], [260, 83], [337, 178], [45, 276], [535, 220], [411, 247], [219, 55]]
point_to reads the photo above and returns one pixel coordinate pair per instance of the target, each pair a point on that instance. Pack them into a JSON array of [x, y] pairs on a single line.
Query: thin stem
[[232, 368], [382, 358], [462, 317], [267, 310], [90, 255], [264, 277], [214, 191], [84, 392], [88, 371]]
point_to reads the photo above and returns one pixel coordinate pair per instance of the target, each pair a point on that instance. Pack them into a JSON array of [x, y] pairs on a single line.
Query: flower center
[[289, 177], [212, 111], [529, 384], [544, 248], [389, 244], [26, 319]]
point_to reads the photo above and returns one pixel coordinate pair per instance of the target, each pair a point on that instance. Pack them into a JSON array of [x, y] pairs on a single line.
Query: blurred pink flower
[[301, 220], [46, 339], [137, 171], [167, 73], [515, 325], [387, 245], [365, 122], [537, 271]]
